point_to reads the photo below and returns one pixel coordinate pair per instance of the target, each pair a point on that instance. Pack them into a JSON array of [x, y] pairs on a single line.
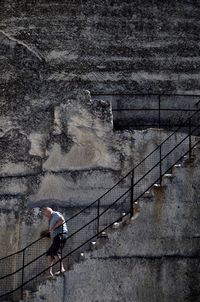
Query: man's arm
[[57, 224]]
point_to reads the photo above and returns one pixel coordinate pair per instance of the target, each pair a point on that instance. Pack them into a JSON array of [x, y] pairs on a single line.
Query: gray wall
[[49, 51], [104, 46], [156, 258]]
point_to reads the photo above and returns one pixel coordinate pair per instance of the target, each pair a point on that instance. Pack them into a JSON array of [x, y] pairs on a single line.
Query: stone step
[[93, 245], [148, 194], [178, 166], [103, 235], [157, 185], [82, 256], [168, 175], [116, 225]]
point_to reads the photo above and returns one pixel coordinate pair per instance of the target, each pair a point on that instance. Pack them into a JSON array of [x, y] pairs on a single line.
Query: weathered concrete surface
[[51, 49], [146, 111], [126, 279], [89, 160], [112, 47], [70, 162], [156, 258]]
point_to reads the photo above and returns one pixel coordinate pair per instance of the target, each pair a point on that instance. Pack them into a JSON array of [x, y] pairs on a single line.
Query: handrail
[[147, 94], [116, 200], [102, 229], [153, 109], [75, 215], [157, 108]]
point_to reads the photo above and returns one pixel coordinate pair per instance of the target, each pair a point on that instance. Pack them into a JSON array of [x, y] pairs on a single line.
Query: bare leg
[[61, 266], [50, 263]]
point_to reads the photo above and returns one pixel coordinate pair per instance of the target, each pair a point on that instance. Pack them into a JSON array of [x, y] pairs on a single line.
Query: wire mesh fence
[[24, 269], [141, 111]]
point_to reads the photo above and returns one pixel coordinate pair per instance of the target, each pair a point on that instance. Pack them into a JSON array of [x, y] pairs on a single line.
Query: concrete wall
[[146, 111], [156, 258], [69, 163], [53, 139], [104, 46], [49, 49]]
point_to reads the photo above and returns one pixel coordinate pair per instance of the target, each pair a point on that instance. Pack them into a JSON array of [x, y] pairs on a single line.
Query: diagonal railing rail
[[142, 110], [102, 213], [194, 102]]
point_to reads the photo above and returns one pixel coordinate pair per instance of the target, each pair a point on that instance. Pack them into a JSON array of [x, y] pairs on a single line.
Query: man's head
[[47, 212]]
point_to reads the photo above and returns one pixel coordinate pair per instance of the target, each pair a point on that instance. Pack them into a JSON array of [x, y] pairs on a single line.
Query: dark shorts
[[58, 244]]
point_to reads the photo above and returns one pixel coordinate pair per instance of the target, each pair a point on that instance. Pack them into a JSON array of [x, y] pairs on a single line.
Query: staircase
[[111, 210], [142, 259]]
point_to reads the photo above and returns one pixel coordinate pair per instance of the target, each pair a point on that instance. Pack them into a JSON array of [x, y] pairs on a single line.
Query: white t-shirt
[[55, 217]]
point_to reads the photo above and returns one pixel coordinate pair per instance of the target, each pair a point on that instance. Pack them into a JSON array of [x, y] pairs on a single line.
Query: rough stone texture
[[49, 131], [104, 46], [154, 259], [70, 162], [142, 111], [127, 279]]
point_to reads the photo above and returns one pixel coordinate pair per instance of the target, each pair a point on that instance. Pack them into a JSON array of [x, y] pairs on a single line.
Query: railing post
[[159, 113], [98, 212], [23, 262], [131, 199], [160, 166], [61, 251], [190, 140]]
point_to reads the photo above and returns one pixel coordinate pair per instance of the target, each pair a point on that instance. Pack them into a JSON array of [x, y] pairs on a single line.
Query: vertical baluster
[[132, 192], [98, 212], [160, 166], [61, 250], [23, 262], [190, 140], [159, 112]]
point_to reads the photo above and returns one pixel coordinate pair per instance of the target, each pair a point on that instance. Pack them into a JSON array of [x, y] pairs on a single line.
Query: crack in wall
[[32, 51]]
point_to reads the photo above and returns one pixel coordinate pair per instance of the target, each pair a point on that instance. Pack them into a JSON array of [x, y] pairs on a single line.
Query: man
[[58, 233]]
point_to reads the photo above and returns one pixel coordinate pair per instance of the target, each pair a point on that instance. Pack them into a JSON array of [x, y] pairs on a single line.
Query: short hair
[[47, 209]]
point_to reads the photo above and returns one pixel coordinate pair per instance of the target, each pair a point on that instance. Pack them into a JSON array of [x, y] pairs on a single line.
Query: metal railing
[[111, 207], [150, 110]]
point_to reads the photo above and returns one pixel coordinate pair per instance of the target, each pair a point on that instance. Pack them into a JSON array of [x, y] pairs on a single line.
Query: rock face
[[106, 47], [154, 259], [57, 145], [69, 160]]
